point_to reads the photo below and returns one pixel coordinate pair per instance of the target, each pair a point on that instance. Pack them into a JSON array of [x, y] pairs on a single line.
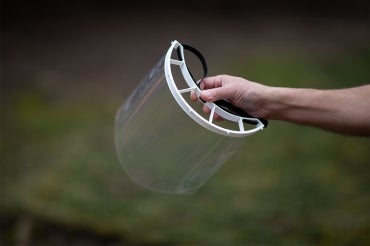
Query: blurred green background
[[66, 66]]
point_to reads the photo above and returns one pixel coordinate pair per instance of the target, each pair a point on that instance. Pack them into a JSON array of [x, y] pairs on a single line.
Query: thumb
[[218, 93]]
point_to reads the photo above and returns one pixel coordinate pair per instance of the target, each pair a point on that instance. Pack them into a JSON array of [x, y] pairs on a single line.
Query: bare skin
[[345, 111]]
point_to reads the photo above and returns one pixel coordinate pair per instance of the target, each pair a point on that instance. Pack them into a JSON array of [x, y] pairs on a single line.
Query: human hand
[[240, 92]]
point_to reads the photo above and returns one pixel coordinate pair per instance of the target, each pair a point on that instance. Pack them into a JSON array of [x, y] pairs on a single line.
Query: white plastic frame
[[207, 123]]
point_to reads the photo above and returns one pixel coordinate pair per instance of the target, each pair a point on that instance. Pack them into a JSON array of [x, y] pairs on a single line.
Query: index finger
[[211, 82]]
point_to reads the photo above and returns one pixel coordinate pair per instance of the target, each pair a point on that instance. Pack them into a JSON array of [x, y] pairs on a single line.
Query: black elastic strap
[[230, 108], [200, 57], [225, 105]]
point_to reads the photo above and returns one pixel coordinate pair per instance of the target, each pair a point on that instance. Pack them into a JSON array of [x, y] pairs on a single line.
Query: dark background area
[[66, 66]]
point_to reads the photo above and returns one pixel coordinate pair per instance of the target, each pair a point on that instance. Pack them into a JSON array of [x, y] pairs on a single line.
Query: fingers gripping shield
[[163, 140]]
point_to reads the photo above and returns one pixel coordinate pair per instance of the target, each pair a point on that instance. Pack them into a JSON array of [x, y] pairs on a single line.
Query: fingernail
[[206, 94]]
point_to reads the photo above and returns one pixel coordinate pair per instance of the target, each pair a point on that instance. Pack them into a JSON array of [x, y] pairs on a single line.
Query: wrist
[[271, 103], [281, 103]]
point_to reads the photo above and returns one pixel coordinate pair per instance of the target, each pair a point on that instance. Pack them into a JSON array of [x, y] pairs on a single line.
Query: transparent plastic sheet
[[164, 140], [162, 148]]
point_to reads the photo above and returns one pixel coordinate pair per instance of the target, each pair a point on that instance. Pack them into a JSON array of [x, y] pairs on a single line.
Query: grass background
[[61, 182]]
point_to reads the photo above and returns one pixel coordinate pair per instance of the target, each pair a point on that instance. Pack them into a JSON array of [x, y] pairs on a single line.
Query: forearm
[[345, 111]]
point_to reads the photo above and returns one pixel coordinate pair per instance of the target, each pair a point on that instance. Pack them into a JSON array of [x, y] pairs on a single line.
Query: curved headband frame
[[259, 124]]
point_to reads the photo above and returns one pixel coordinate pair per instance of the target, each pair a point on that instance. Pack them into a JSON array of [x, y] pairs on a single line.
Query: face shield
[[164, 141]]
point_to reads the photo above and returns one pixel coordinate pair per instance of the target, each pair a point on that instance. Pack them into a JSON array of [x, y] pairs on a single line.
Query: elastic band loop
[[223, 104]]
